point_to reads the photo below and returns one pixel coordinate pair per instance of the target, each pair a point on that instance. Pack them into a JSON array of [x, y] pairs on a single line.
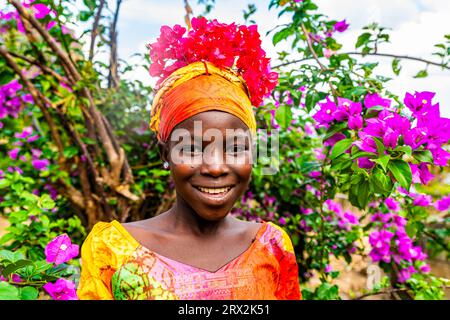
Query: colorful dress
[[116, 266]]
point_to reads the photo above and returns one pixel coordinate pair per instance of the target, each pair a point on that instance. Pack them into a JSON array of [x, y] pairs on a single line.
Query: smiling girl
[[203, 117]]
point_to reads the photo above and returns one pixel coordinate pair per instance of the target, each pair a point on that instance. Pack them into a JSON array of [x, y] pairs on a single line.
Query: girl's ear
[[163, 148]]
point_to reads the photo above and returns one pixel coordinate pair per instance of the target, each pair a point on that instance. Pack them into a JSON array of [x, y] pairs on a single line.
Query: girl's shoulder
[[108, 242], [276, 239]]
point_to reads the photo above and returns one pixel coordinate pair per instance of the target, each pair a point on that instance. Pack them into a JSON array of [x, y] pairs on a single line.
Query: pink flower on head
[[62, 289], [61, 250]]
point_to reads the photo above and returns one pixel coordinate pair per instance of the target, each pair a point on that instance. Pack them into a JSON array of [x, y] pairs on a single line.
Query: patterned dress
[[116, 266]]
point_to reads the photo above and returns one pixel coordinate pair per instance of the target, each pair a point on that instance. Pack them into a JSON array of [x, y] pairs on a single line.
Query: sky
[[416, 26]]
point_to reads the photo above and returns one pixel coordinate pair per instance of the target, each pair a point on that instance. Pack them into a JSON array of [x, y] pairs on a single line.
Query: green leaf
[[423, 156], [8, 291], [421, 74], [363, 194], [334, 129], [46, 202], [281, 35], [340, 147], [70, 151], [283, 116], [383, 161], [362, 40], [380, 146], [402, 172], [13, 267], [396, 68], [381, 183], [4, 183], [411, 229], [28, 293]]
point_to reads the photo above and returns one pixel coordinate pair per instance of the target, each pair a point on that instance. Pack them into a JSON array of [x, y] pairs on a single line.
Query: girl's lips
[[214, 198]]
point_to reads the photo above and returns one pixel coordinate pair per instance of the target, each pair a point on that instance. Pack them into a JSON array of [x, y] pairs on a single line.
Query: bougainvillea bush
[[356, 162]]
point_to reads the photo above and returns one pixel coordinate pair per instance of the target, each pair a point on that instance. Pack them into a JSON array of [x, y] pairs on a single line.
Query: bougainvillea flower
[[443, 204], [423, 200], [40, 164], [374, 100], [365, 163], [419, 102], [326, 113], [366, 143], [61, 250], [25, 133], [41, 11], [392, 204], [13, 153], [341, 26], [416, 137], [62, 289], [440, 156]]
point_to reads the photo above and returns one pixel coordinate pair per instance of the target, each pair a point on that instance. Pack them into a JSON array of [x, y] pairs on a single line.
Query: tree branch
[[94, 31], [322, 67], [113, 77]]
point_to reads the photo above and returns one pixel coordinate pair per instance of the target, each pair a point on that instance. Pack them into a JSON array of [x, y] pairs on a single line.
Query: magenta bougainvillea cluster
[[224, 45]]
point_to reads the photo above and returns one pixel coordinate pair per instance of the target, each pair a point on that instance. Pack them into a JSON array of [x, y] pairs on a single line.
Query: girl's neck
[[185, 219]]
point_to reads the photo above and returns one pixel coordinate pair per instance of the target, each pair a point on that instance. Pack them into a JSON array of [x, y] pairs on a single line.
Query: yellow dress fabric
[[116, 266]]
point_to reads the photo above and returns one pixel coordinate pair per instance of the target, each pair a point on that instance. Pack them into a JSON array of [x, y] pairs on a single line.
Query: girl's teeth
[[215, 190]]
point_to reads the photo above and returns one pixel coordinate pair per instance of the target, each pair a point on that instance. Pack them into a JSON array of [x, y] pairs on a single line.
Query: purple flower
[[423, 200], [62, 289], [326, 113], [25, 133], [40, 164], [420, 101], [341, 26], [392, 204], [365, 163], [13, 153], [355, 122], [60, 250], [328, 268], [41, 11], [351, 218], [443, 204], [374, 100], [282, 221]]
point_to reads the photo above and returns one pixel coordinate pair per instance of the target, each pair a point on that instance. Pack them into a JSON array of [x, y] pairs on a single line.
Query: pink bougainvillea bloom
[[66, 86], [41, 11], [328, 268], [40, 164], [326, 113], [25, 133], [13, 153], [425, 268], [355, 122], [374, 100], [423, 200], [61, 250], [282, 221], [341, 26], [62, 289], [443, 204], [51, 24], [419, 102], [33, 138], [365, 163], [351, 218], [392, 204], [327, 53]]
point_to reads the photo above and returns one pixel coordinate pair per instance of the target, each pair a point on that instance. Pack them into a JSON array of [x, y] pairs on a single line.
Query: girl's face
[[210, 161]]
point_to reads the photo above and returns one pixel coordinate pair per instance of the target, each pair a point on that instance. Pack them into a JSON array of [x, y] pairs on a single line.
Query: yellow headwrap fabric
[[195, 88]]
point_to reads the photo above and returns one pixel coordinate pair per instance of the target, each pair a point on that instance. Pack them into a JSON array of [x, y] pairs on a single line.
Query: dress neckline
[[132, 239]]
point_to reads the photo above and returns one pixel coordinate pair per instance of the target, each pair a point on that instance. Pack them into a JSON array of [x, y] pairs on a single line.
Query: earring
[[166, 165]]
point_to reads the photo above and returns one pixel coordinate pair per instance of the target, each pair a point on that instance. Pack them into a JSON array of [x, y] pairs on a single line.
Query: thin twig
[[322, 67], [94, 31]]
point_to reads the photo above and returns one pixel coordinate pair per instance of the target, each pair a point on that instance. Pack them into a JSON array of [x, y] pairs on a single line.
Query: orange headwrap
[[196, 88]]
